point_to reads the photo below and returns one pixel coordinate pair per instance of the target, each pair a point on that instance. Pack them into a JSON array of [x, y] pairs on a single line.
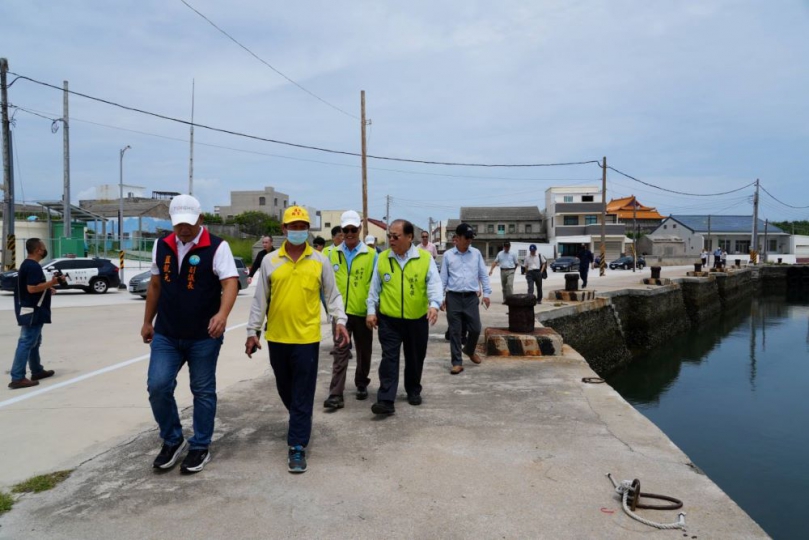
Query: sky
[[700, 97]]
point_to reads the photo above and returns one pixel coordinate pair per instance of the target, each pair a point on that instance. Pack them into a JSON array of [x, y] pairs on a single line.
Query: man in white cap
[[193, 288], [370, 241], [288, 291], [353, 265]]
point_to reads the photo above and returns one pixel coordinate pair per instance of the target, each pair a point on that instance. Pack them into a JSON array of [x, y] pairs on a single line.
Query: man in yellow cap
[[288, 293]]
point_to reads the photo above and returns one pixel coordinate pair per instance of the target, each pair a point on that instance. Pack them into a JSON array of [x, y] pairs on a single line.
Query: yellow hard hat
[[296, 213]]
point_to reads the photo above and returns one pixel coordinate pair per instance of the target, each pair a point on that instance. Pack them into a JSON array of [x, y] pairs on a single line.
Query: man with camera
[[32, 305]]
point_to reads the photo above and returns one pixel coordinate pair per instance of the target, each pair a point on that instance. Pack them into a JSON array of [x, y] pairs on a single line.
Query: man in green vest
[[353, 265], [403, 302]]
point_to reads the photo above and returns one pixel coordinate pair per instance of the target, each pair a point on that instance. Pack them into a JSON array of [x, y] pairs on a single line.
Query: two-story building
[[268, 201], [573, 217], [495, 225]]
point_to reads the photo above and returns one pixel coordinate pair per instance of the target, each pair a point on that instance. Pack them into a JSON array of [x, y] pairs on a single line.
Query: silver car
[[140, 284]]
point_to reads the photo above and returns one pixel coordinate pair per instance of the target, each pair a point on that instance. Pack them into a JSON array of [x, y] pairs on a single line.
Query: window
[[673, 225], [490, 229], [262, 201], [528, 227], [568, 198], [501, 229], [571, 220], [285, 203], [590, 219], [511, 227], [475, 228], [742, 246], [327, 225], [587, 198], [276, 202], [773, 248]]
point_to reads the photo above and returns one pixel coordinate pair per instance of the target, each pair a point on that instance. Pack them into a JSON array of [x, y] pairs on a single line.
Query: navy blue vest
[[190, 297]]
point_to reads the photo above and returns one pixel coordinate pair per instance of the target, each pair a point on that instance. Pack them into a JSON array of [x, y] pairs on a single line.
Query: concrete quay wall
[[618, 324]]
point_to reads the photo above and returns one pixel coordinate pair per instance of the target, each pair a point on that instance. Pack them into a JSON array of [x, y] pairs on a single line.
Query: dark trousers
[[583, 273], [717, 261], [363, 339], [410, 335], [462, 311], [295, 368], [534, 277]]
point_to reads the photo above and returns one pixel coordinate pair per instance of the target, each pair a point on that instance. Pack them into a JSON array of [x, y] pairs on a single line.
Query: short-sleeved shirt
[[506, 260], [31, 273]]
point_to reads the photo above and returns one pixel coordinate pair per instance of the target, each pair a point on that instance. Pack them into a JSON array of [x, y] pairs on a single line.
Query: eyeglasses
[[424, 237], [394, 236], [350, 230]]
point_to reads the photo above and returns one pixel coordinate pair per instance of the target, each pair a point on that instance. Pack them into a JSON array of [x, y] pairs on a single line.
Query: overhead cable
[[680, 192], [302, 146], [779, 201]]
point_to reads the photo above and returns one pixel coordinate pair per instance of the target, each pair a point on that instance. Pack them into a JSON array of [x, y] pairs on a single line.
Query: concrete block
[[653, 281], [541, 342], [572, 296]]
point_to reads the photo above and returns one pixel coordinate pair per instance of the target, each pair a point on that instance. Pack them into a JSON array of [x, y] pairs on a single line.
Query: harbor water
[[733, 396]]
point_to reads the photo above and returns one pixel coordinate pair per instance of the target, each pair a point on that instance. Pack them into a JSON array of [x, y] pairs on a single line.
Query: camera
[[60, 277]]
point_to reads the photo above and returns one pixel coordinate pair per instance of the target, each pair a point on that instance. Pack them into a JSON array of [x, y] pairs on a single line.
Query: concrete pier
[[510, 448]]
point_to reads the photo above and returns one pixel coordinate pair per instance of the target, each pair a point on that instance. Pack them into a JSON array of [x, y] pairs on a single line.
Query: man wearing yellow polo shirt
[[288, 292], [403, 302]]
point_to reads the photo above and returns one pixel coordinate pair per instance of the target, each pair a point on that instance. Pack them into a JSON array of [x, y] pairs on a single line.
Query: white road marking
[[86, 376]]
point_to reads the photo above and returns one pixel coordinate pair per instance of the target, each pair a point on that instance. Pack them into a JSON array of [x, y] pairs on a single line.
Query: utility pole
[[121, 216], [754, 240], [364, 168], [9, 259], [387, 211], [66, 217], [430, 229], [191, 156], [764, 250], [602, 266], [710, 244], [634, 233]]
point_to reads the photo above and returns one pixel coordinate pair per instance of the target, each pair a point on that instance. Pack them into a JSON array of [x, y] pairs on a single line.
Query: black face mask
[[45, 254]]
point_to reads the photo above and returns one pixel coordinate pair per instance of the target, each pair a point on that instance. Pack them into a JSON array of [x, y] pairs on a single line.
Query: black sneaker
[[334, 402], [297, 459], [414, 399], [383, 407], [169, 454], [362, 393], [195, 461]]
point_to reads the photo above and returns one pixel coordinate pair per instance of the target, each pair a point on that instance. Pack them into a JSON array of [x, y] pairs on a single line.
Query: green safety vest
[[404, 293], [354, 284]]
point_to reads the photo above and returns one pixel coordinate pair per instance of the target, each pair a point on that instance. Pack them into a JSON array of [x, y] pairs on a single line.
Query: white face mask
[[296, 238]]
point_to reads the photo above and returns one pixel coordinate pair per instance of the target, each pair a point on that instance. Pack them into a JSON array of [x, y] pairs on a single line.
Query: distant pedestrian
[[336, 240], [403, 302], [288, 295], [507, 262], [463, 272], [536, 267], [585, 260], [32, 306], [370, 241], [353, 265], [428, 246], [319, 243], [704, 258], [192, 291], [717, 258], [723, 259], [266, 243]]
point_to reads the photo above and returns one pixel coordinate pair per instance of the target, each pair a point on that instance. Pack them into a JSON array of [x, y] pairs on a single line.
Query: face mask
[[297, 238], [45, 254]]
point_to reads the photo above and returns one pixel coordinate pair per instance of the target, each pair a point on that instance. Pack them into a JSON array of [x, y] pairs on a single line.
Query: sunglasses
[[350, 230], [394, 236]]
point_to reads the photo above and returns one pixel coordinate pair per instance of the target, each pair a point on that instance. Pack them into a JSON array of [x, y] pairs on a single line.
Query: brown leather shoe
[[44, 374], [474, 357], [456, 369], [22, 383]]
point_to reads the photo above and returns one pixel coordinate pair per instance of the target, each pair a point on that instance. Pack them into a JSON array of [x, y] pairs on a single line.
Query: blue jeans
[[27, 352], [295, 368], [168, 356]]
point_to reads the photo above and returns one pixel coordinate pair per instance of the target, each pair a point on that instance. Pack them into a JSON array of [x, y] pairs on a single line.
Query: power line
[[297, 145], [680, 192], [257, 57], [779, 201]]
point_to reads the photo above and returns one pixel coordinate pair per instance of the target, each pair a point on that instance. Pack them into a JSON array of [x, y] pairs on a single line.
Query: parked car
[[565, 264], [8, 280], [627, 262], [90, 275], [139, 284]]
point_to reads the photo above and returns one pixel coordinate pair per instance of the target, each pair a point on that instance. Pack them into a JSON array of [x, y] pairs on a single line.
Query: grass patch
[[6, 502], [241, 247], [41, 483]]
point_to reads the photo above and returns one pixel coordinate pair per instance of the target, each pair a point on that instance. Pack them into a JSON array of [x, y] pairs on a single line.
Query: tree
[[211, 219], [257, 223], [791, 227]]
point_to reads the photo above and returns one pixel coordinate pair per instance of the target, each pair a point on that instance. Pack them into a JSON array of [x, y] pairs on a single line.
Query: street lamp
[[121, 215]]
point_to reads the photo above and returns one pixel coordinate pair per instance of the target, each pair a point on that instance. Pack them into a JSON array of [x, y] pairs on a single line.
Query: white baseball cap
[[370, 240], [184, 209], [350, 219]]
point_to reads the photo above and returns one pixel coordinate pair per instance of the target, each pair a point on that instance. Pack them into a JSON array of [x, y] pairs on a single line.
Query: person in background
[[266, 243], [717, 258], [507, 262], [370, 241], [723, 259], [535, 264], [585, 260], [428, 246], [192, 291], [336, 239], [704, 258], [288, 295], [319, 243], [403, 303]]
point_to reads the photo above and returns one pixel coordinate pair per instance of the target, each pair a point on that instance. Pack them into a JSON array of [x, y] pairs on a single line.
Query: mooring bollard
[[571, 282], [521, 317], [780, 260], [697, 267], [738, 263], [655, 272]]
